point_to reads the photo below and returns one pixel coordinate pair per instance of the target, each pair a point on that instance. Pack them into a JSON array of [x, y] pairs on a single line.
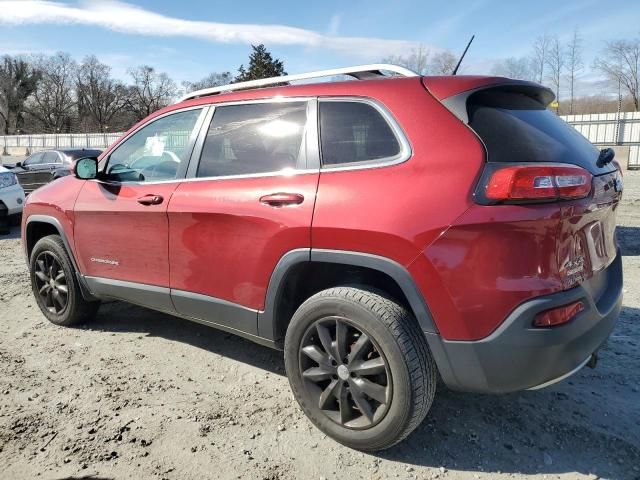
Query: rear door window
[[353, 132], [51, 158], [517, 128], [254, 138]]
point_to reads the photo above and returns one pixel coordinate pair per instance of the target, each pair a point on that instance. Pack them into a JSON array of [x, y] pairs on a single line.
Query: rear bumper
[[518, 357]]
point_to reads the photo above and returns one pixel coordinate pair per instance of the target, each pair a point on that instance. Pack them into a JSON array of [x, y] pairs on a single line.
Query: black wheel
[[55, 286], [359, 366]]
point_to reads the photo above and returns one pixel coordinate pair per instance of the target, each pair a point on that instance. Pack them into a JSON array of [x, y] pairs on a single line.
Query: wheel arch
[[288, 287], [40, 226]]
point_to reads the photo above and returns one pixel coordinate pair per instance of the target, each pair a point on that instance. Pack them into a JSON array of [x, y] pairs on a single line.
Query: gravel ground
[[139, 394]]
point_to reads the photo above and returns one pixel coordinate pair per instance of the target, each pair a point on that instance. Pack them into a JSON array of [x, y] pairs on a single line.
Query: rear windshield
[[76, 154], [517, 128]]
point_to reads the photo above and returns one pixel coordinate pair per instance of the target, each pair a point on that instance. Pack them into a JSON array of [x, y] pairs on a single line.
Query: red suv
[[383, 231]]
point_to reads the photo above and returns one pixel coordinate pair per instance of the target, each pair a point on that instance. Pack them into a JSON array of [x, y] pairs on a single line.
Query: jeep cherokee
[[384, 232]]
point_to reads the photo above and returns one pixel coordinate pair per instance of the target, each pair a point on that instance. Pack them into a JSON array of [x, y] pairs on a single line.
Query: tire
[[50, 260], [368, 417]]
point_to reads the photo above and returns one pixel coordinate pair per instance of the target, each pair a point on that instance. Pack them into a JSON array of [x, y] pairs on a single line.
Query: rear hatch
[[526, 142]]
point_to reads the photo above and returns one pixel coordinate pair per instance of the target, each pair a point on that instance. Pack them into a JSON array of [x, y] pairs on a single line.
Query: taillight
[[537, 182], [558, 316]]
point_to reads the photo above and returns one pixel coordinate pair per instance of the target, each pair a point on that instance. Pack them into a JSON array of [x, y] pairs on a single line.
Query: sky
[[189, 39]]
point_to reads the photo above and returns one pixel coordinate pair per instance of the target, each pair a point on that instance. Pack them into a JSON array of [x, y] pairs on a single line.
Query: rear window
[[517, 128], [77, 154], [353, 132]]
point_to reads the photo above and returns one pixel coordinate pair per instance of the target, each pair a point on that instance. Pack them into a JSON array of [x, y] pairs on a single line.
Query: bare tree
[[214, 79], [149, 92], [621, 63], [442, 63], [574, 64], [53, 101], [555, 61], [539, 56], [100, 97], [513, 67], [18, 80], [417, 60]]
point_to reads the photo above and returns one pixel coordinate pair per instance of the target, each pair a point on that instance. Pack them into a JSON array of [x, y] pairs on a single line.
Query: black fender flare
[[267, 318]]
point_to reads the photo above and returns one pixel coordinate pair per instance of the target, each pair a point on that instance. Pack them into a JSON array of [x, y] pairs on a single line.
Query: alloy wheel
[[345, 373], [51, 283]]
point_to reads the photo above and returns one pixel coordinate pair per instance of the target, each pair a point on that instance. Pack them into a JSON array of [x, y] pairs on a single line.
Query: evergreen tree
[[261, 65]]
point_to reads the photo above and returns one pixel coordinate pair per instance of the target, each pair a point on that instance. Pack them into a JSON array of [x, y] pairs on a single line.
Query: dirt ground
[[138, 394]]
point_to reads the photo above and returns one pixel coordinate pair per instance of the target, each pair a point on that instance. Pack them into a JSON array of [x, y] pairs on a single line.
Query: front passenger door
[[27, 172], [121, 227]]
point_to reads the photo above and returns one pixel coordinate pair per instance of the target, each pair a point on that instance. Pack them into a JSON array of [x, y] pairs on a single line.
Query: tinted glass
[[354, 132], [156, 151], [253, 138], [76, 154], [51, 157], [517, 128]]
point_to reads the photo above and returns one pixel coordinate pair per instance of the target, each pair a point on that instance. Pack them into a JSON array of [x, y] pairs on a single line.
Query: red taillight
[[538, 182], [558, 316]]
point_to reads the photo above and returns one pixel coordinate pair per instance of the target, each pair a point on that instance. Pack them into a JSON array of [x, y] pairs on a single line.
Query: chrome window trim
[[192, 141], [281, 173], [312, 144], [402, 156]]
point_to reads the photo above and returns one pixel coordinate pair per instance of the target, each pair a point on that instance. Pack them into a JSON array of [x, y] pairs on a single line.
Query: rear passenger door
[[246, 202]]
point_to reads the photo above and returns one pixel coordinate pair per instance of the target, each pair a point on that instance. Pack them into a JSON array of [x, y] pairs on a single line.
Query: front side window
[[254, 138], [354, 132], [156, 151], [34, 159]]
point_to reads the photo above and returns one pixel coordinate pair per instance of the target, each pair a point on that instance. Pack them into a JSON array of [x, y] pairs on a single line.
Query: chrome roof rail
[[361, 72]]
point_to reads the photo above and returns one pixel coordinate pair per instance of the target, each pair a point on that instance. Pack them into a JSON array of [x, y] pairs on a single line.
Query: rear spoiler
[[454, 92]]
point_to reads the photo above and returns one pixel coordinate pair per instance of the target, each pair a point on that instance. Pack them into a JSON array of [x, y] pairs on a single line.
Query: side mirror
[[86, 168], [17, 165]]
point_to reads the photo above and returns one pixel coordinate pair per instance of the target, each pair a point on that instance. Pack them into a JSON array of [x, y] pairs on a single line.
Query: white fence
[[33, 143], [608, 128], [603, 129]]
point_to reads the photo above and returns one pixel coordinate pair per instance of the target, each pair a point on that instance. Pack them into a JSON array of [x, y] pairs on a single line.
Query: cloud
[[130, 19]]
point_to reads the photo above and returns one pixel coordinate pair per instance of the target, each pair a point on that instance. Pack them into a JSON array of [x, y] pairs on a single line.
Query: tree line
[[561, 65], [57, 94], [558, 65]]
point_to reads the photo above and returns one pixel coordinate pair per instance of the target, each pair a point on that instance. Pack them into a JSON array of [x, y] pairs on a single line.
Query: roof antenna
[[455, 70]]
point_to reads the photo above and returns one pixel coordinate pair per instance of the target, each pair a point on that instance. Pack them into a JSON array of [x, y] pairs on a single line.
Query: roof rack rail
[[361, 72]]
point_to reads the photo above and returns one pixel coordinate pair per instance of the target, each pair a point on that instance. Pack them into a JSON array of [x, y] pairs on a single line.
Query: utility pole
[[617, 139]]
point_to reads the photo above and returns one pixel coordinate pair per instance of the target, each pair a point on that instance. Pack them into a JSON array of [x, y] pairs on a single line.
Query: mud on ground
[[139, 394]]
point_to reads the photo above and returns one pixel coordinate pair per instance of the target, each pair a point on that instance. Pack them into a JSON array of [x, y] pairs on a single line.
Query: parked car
[[11, 199], [383, 232], [43, 167]]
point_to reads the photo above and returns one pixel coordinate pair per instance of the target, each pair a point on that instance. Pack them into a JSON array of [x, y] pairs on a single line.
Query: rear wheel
[[55, 285], [359, 366]]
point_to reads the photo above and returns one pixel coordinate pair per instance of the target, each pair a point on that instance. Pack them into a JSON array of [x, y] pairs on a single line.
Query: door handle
[[151, 199], [281, 199]]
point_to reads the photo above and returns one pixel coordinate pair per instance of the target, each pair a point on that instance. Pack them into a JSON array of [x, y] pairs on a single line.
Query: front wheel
[[359, 366], [55, 285]]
